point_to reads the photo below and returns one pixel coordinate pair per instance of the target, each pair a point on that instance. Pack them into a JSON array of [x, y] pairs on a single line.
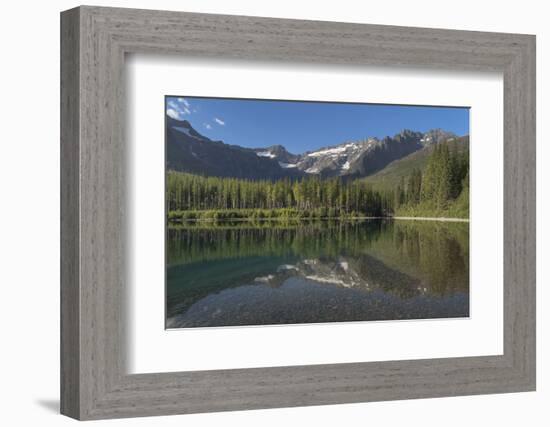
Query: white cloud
[[184, 102], [207, 126], [174, 114], [177, 110], [219, 121]]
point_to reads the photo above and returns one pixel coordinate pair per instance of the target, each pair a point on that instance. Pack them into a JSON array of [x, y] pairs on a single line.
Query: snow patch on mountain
[[266, 154], [287, 165], [312, 170], [334, 151]]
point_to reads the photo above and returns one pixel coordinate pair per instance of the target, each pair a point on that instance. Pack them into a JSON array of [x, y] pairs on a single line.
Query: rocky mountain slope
[[389, 177], [189, 151]]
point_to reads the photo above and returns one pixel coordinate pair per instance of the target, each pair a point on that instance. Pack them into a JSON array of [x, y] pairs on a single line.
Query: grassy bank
[[288, 215], [260, 214]]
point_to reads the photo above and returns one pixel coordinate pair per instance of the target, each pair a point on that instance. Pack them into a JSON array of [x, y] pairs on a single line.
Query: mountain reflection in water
[[233, 274]]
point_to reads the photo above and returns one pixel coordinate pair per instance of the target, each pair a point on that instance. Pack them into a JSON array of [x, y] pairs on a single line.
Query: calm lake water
[[230, 274]]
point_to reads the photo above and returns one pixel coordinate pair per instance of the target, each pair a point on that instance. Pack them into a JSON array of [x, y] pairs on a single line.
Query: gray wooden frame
[[94, 41]]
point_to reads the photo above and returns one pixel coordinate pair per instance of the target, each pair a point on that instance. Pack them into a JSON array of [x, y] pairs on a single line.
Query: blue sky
[[305, 126]]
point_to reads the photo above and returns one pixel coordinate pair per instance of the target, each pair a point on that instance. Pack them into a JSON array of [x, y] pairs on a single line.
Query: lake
[[266, 273]]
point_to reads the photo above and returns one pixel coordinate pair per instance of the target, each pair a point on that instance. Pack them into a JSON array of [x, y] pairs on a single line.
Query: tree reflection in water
[[222, 274]]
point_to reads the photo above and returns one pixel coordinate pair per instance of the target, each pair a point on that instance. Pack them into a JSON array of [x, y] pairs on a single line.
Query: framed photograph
[[260, 235], [262, 213]]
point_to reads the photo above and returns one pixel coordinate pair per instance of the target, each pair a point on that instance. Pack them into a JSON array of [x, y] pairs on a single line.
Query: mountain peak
[[437, 135], [171, 122], [184, 126], [279, 153]]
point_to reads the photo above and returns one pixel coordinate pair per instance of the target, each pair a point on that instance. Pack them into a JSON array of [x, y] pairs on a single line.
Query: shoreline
[[428, 218], [401, 218]]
